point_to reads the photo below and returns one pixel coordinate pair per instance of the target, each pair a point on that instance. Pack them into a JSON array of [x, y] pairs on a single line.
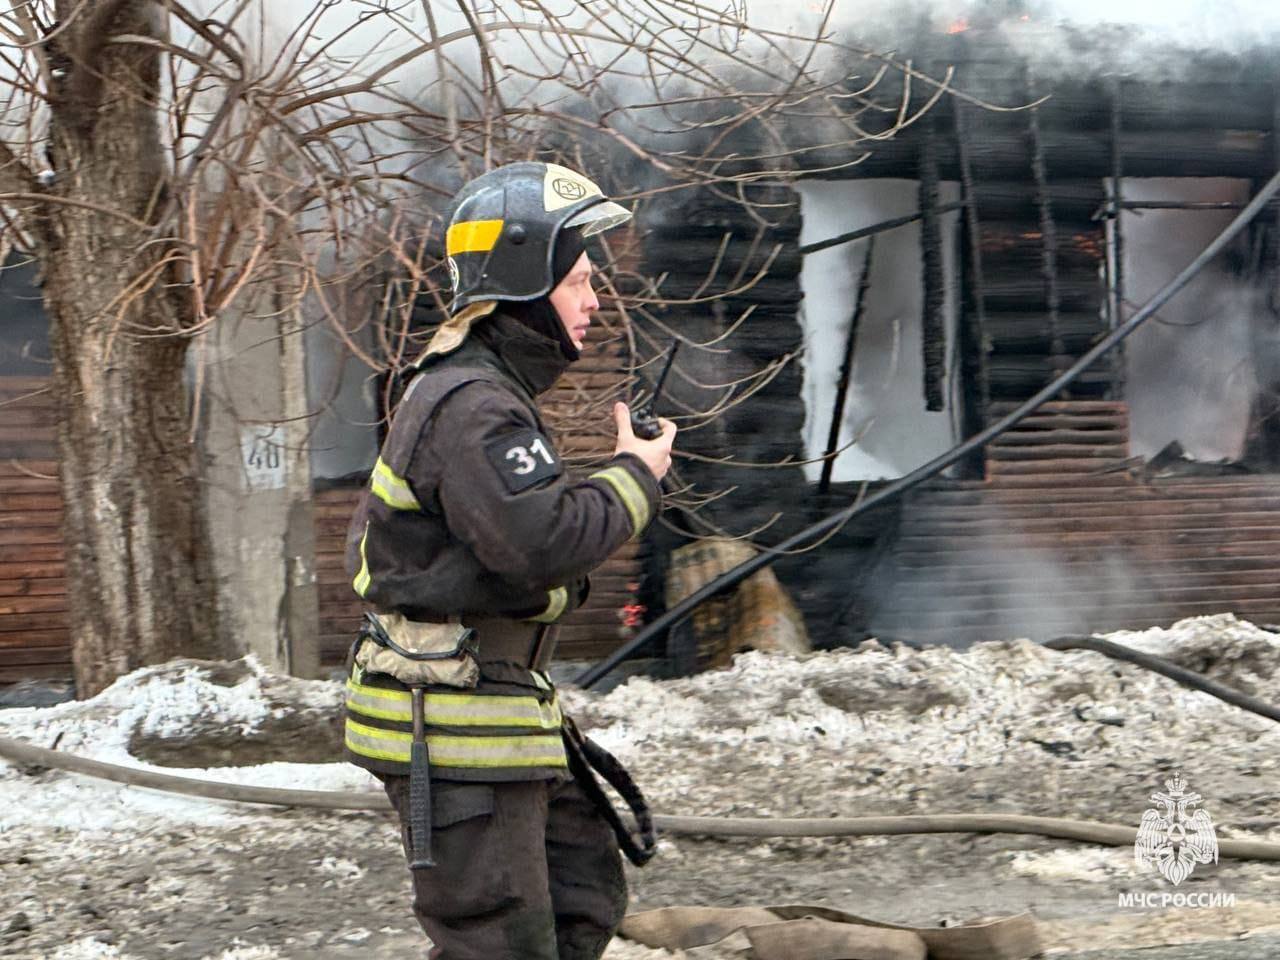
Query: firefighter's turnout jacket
[[469, 515]]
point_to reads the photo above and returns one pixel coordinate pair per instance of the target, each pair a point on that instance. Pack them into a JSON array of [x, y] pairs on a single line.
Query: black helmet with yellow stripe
[[502, 233]]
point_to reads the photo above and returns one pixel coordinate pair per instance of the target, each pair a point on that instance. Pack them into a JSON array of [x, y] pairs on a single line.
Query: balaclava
[[539, 315]]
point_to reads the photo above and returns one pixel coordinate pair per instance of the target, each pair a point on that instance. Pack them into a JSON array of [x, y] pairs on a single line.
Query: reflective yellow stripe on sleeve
[[391, 489], [363, 578], [629, 491], [455, 709], [448, 751], [557, 600]]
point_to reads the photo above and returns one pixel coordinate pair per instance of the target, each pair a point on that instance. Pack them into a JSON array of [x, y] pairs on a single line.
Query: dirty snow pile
[[1005, 727], [92, 869], [870, 730], [174, 701]]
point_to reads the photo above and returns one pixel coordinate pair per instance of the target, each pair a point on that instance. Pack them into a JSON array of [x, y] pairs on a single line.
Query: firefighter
[[469, 544]]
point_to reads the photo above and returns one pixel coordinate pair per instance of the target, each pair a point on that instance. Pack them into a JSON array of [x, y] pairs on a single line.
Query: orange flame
[[959, 26]]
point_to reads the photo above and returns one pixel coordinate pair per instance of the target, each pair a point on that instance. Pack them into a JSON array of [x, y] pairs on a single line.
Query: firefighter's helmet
[[504, 225]]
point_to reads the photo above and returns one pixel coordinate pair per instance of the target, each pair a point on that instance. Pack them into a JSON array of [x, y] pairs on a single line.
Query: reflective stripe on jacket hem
[[451, 751]]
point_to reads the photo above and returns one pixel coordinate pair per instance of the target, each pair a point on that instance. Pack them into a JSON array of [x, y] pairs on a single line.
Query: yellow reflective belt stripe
[[631, 495], [363, 578], [557, 600], [447, 751], [456, 709], [472, 236], [379, 703], [391, 489]]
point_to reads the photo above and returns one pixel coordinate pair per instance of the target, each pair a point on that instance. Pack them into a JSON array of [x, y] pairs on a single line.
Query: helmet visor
[[598, 218]]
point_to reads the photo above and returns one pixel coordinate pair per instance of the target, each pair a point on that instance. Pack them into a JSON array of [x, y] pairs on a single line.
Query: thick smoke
[[1191, 369], [884, 410]]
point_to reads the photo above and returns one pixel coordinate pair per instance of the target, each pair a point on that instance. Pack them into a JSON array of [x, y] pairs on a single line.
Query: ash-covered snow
[[918, 731], [163, 701], [1081, 863], [106, 871]]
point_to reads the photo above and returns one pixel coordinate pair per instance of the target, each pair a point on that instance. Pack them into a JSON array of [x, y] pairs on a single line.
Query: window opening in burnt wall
[[1202, 377], [885, 429]]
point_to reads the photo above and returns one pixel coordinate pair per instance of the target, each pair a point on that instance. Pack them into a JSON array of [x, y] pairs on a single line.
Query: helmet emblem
[[454, 277], [568, 189]]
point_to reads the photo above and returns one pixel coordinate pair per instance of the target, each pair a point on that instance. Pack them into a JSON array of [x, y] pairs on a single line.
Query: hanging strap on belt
[[419, 789], [586, 758]]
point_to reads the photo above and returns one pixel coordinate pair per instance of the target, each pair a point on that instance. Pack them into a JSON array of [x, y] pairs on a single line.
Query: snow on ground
[[878, 715], [91, 869], [164, 701], [884, 723]]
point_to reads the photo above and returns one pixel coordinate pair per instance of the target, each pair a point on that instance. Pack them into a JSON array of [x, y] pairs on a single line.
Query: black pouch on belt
[[586, 758], [419, 790]]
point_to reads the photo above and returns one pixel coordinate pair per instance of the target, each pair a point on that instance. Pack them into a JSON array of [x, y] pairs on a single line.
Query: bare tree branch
[[15, 177]]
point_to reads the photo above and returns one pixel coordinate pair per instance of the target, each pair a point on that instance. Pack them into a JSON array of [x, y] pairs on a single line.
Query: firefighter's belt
[[418, 653], [481, 734], [586, 756]]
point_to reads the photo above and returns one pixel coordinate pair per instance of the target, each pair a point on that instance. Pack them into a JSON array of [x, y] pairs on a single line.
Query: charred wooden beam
[[1178, 205], [1020, 376], [1077, 246], [883, 226], [846, 370], [1075, 202], [1072, 155], [976, 346], [1015, 333], [1275, 143], [1048, 238], [933, 333], [1017, 290], [1149, 107], [1116, 300], [1210, 89]]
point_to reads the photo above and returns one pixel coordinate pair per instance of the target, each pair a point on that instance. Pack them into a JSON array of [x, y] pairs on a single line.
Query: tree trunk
[[137, 556]]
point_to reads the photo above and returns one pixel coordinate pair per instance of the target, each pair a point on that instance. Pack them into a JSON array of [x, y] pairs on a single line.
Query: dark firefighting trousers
[[524, 871]]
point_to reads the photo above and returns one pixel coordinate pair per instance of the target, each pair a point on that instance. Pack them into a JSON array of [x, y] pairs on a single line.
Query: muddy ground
[[295, 886]]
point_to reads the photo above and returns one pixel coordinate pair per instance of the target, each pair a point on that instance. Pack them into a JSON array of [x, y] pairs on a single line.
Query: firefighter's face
[[575, 300]]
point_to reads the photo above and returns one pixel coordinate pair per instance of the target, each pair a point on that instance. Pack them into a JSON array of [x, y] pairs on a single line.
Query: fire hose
[[751, 827], [928, 471], [1188, 678]]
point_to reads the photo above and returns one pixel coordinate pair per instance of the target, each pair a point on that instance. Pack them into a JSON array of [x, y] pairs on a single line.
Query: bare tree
[[165, 162]]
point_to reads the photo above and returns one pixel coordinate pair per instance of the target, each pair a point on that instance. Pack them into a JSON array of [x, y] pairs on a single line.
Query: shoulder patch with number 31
[[523, 459]]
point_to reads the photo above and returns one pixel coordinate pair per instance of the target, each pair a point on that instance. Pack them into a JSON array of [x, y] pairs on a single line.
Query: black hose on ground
[[752, 827], [1166, 668], [732, 578]]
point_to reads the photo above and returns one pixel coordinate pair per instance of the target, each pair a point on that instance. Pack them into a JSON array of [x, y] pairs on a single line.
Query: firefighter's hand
[[656, 454]]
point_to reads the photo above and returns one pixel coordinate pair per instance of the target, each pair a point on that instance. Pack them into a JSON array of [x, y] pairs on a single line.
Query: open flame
[[958, 26]]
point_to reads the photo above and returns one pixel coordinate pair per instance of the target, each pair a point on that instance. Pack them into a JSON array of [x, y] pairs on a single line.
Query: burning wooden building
[[923, 285], [950, 274]]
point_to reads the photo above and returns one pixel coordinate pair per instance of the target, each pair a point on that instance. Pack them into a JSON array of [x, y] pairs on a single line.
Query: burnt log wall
[[1036, 248], [681, 240]]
